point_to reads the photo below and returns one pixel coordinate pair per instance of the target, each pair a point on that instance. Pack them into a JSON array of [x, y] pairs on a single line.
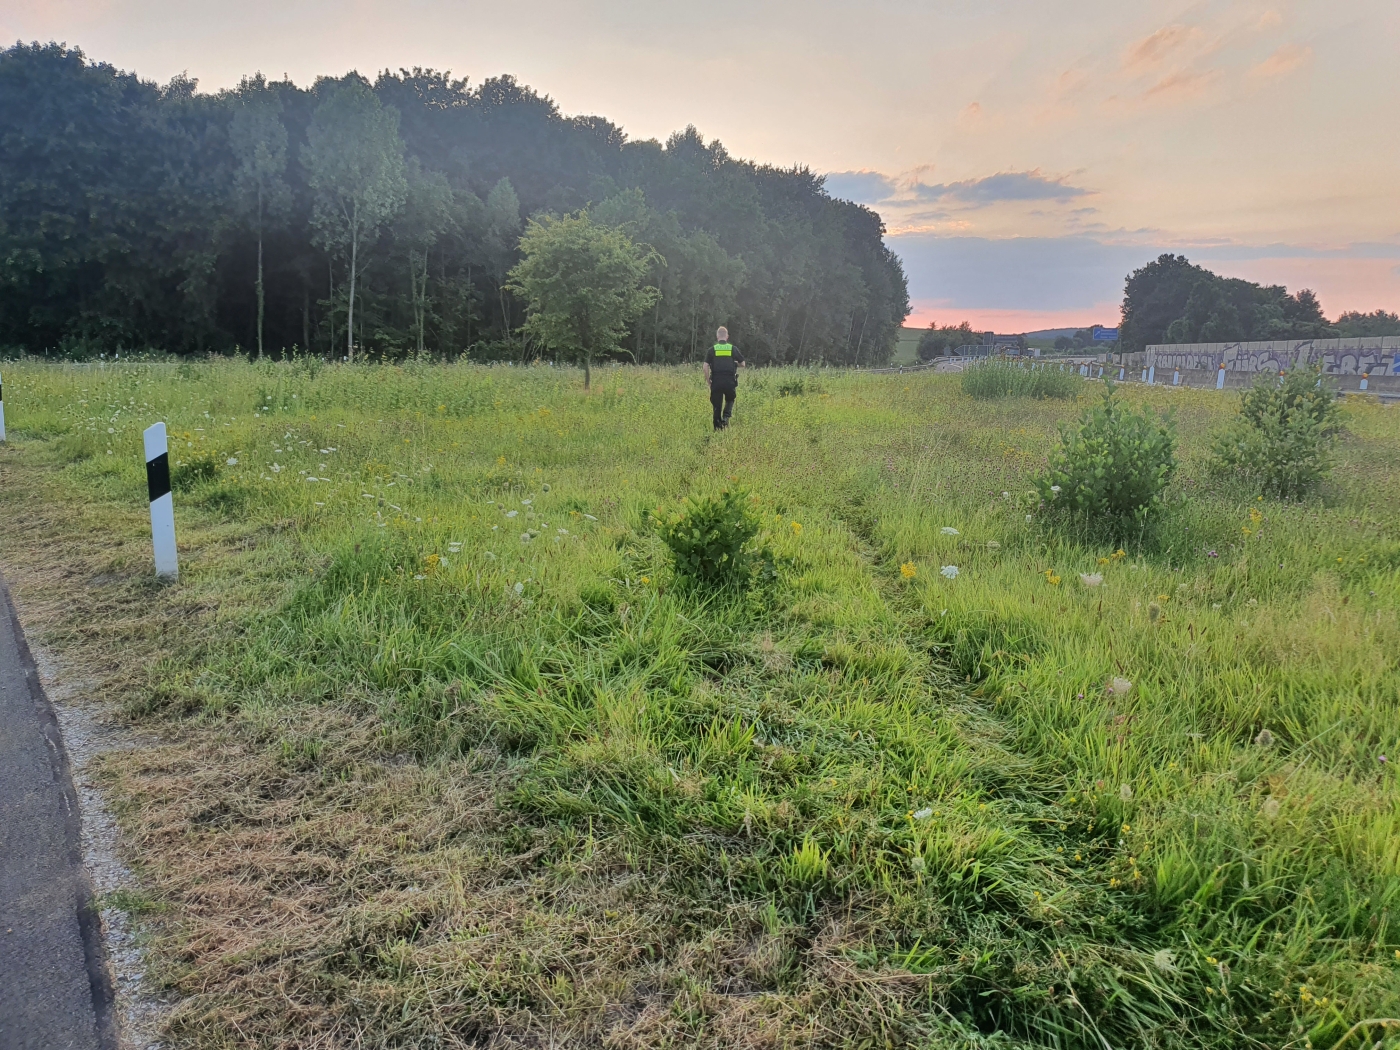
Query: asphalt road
[[54, 989]]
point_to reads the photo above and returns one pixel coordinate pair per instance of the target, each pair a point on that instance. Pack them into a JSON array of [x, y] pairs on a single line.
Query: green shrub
[[711, 543], [1112, 467], [994, 379], [1280, 444], [194, 469]]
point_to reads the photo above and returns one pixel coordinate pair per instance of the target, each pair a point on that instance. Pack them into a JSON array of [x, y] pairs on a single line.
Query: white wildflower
[[512, 513], [1091, 579], [1028, 517], [950, 571], [277, 468], [1119, 686], [519, 588], [590, 517], [419, 576], [924, 813], [948, 530], [1125, 792], [525, 537], [454, 548], [526, 502], [1005, 495], [916, 865], [232, 461], [1165, 960], [1054, 488], [562, 532], [1269, 810]]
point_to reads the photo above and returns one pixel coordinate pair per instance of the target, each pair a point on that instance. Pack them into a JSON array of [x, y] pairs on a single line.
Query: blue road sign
[[1105, 335]]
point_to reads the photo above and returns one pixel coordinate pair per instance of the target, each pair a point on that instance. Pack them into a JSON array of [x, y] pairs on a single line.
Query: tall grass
[[1063, 797], [996, 378]]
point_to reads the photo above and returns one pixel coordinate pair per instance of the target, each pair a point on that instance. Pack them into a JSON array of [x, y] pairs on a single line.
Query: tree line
[[385, 218], [1171, 300]]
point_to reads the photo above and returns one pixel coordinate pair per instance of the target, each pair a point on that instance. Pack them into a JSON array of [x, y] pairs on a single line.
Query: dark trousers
[[723, 401]]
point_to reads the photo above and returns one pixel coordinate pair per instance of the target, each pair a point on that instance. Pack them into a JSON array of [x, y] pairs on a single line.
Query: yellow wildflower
[[908, 570], [796, 528]]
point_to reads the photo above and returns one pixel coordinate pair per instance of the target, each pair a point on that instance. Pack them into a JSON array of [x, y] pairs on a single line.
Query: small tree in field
[[582, 286]]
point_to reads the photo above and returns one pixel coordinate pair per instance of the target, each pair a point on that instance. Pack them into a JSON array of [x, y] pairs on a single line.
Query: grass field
[[439, 756]]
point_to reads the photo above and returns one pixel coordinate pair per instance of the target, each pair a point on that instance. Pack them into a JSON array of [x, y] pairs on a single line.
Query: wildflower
[[1154, 612], [1028, 517], [1051, 578], [1091, 579], [908, 570], [646, 579], [277, 468], [924, 813], [1103, 561], [525, 537], [1055, 488], [993, 545], [797, 528], [1212, 554], [1265, 738], [916, 865], [232, 461], [419, 576], [1079, 696], [1164, 960], [1269, 810], [949, 571], [1164, 598], [1006, 495], [1119, 553], [590, 517], [1119, 686], [512, 513], [948, 530], [1382, 760], [519, 588]]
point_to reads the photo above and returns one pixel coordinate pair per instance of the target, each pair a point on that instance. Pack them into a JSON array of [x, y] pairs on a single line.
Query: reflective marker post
[[2, 409], [1220, 378], [162, 506]]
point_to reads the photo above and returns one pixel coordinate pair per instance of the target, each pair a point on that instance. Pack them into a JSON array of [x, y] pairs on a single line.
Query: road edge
[[89, 917]]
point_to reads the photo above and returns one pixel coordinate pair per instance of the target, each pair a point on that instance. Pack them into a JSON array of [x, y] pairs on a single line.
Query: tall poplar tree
[[259, 142], [355, 168]]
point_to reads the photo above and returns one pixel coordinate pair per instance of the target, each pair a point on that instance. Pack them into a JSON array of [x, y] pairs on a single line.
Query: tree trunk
[[261, 301], [587, 371], [350, 316], [330, 297]]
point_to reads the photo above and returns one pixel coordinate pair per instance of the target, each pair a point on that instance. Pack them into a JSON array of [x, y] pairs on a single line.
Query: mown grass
[[995, 378], [440, 781]]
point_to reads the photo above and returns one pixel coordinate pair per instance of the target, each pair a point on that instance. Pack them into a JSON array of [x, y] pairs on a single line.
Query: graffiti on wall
[[1379, 355]]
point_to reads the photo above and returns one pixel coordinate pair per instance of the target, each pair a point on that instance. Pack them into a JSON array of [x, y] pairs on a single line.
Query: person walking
[[722, 366]]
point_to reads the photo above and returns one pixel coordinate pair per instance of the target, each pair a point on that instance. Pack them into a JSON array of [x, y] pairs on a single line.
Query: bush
[[994, 379], [711, 543], [1112, 467], [191, 471], [1281, 442]]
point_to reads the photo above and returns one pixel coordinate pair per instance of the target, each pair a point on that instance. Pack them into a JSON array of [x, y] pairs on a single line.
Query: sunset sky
[[1025, 155]]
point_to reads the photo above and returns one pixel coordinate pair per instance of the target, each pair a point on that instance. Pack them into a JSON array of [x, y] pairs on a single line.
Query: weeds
[[996, 378], [440, 783]]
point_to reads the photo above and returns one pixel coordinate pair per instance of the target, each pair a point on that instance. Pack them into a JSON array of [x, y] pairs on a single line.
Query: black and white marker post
[[162, 507]]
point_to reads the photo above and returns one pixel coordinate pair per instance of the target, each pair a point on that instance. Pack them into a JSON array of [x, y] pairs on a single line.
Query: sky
[[1025, 155]]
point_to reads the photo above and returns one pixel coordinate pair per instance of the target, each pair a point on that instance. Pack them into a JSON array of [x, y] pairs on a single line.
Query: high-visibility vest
[[724, 350]]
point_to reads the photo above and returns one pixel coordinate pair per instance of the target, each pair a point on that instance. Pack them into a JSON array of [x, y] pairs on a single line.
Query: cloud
[[1003, 186], [1180, 84], [863, 187], [1283, 61], [1152, 50]]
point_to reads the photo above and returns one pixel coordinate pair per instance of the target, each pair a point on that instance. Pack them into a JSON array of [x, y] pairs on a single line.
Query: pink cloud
[[1283, 61], [1009, 322]]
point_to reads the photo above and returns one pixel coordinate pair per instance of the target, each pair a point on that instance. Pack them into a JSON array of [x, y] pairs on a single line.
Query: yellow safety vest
[[724, 350]]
